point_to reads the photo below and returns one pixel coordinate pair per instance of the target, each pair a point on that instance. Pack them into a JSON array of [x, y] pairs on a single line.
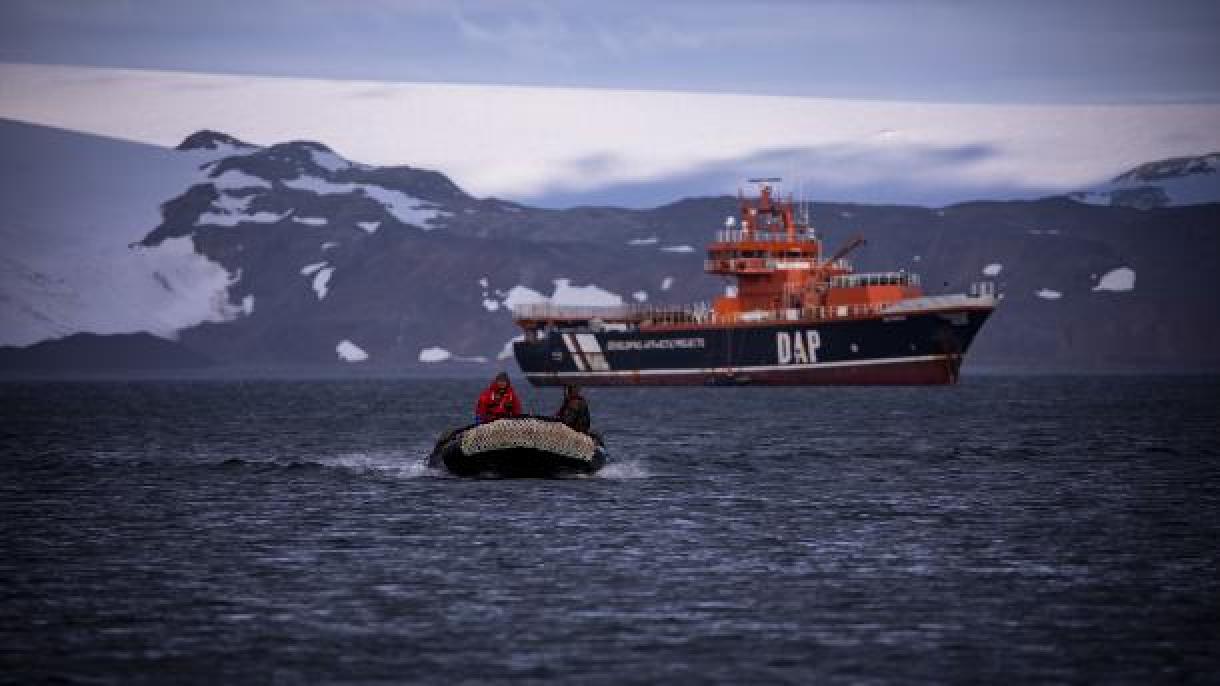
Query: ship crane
[[842, 252]]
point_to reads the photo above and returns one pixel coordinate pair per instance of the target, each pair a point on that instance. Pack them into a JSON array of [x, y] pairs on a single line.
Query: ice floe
[[247, 305], [677, 248], [640, 296], [311, 268], [491, 305], [370, 227], [350, 352], [651, 240], [1048, 294], [666, 283], [993, 269], [310, 221], [1121, 279]]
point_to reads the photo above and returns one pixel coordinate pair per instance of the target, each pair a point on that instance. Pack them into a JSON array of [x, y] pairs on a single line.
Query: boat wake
[[623, 470], [392, 464]]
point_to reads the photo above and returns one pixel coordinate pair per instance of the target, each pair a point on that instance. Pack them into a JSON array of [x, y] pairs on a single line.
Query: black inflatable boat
[[539, 447]]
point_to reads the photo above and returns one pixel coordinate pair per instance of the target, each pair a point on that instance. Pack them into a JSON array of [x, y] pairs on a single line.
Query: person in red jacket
[[498, 401]]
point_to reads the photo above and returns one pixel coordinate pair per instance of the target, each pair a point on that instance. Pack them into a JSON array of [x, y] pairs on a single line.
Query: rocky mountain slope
[[335, 265], [1171, 182]]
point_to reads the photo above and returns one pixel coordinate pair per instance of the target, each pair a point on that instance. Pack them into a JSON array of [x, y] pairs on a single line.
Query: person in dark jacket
[[575, 410], [498, 401]]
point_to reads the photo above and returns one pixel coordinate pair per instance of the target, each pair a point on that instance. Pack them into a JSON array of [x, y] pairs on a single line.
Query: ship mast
[[774, 257]]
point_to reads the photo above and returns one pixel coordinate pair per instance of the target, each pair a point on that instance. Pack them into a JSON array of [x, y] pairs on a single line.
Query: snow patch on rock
[[321, 282], [520, 295], [434, 354], [328, 160], [236, 180], [405, 208], [438, 354], [233, 219], [567, 294], [564, 294], [1121, 279], [350, 352], [507, 351]]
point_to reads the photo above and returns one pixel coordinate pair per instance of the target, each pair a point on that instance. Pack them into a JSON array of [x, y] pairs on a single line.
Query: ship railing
[[832, 312], [597, 316], [875, 279], [738, 236], [739, 264], [639, 313], [983, 289], [759, 264]]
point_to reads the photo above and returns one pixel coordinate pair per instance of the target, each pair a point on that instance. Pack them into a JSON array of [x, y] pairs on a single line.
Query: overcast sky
[[640, 102], [1034, 51]]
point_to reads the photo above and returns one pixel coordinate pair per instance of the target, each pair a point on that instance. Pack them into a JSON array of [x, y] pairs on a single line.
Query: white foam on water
[[623, 469], [396, 464]]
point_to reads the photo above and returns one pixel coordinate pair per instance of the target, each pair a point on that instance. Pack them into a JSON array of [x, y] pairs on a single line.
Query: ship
[[789, 315]]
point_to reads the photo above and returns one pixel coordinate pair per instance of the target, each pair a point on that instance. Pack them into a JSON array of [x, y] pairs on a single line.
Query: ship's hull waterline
[[911, 349]]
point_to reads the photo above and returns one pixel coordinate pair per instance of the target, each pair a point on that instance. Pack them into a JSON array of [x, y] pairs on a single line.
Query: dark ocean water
[[1004, 530]]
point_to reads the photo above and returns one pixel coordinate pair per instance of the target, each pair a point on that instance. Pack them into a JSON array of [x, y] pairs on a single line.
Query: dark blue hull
[[913, 348]]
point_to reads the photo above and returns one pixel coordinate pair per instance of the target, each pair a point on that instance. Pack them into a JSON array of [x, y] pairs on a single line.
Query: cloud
[[590, 146], [542, 32], [921, 175]]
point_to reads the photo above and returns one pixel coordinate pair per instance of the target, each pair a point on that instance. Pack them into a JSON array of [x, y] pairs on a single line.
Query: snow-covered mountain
[[339, 262], [1170, 182], [291, 256]]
